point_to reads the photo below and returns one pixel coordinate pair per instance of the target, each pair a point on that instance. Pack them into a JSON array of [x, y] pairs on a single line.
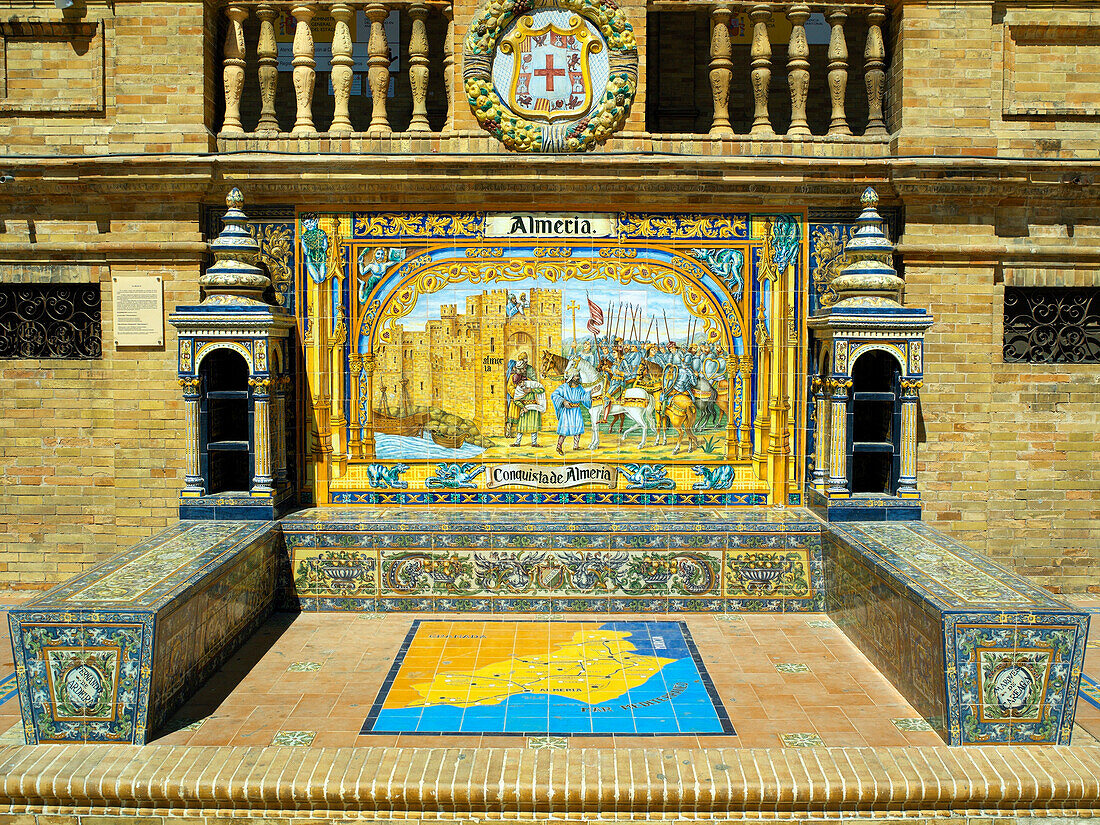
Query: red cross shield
[[551, 75]]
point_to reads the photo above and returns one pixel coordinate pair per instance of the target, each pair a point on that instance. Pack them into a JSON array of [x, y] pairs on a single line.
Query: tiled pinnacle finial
[[235, 278], [869, 279]]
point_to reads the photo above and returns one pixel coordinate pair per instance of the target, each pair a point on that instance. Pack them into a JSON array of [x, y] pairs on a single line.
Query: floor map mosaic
[[549, 677], [553, 357]]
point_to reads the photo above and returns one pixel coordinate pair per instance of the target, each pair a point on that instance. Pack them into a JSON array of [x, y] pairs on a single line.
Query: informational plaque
[[139, 311]]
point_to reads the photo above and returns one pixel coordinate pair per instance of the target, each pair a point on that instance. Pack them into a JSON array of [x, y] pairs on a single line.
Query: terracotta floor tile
[[842, 696]]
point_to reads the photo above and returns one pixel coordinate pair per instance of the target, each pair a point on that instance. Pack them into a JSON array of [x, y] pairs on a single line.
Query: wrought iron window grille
[[1047, 325], [61, 321]]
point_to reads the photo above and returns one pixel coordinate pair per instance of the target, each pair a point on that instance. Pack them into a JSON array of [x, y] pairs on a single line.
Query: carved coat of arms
[[551, 72]]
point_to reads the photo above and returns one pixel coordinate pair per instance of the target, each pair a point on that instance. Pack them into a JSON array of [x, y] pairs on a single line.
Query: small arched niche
[[225, 423], [874, 424]]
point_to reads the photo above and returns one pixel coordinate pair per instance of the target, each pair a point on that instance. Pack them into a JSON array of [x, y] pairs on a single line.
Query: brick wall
[[92, 455]]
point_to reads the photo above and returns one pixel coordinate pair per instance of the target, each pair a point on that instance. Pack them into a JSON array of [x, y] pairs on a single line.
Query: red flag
[[595, 316]]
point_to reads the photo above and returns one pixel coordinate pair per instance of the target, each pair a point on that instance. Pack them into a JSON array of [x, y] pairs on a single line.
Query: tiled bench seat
[[985, 656], [556, 559], [108, 656]]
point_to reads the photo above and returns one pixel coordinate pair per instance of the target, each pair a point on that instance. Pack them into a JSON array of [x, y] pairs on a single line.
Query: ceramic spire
[[235, 277], [869, 279]]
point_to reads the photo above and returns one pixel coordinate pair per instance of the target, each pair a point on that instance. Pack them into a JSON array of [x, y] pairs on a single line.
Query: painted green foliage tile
[[768, 574], [792, 667], [304, 667], [347, 572]]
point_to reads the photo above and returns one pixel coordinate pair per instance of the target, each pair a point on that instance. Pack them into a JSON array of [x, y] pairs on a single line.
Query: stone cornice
[[446, 179]]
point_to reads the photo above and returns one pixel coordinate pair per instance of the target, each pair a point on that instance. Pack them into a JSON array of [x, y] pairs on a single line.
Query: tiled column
[[744, 436], [907, 478], [304, 70], [366, 411], [282, 384], [418, 67], [838, 72], [721, 69], [261, 436], [267, 55], [761, 15], [378, 69], [875, 72], [233, 70], [355, 440], [798, 69], [821, 434], [193, 480], [838, 441], [342, 62]]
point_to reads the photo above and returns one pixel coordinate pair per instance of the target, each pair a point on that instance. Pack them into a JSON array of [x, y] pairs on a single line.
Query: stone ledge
[[449, 783]]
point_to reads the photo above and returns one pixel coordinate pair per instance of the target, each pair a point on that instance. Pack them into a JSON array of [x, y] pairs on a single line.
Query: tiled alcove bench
[[107, 656], [985, 656]]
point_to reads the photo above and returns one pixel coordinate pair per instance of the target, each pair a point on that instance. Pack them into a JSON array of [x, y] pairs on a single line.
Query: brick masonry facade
[[992, 157]]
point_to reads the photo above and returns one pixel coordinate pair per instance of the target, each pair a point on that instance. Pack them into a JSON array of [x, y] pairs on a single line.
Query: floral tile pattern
[[478, 560], [550, 743], [792, 667], [801, 740], [912, 725], [304, 667], [294, 738]]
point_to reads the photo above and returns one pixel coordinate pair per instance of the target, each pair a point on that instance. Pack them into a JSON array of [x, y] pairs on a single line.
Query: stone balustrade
[[305, 57], [762, 17], [276, 53]]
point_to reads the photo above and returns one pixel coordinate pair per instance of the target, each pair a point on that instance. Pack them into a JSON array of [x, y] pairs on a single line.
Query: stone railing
[[298, 18], [348, 48], [762, 65]]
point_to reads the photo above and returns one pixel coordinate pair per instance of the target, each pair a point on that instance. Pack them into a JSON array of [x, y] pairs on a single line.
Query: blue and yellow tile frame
[[439, 348]]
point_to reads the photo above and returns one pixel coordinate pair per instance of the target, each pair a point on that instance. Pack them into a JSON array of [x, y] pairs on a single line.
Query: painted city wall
[[606, 358]]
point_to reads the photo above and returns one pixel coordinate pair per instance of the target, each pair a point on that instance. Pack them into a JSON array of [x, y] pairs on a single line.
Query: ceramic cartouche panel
[[515, 359]]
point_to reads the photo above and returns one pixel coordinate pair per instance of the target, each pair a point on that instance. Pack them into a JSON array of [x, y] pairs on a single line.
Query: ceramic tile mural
[[490, 358], [526, 559], [107, 656], [570, 678], [985, 656]]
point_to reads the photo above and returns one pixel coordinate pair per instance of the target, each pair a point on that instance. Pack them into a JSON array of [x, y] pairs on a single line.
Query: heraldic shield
[[551, 71]]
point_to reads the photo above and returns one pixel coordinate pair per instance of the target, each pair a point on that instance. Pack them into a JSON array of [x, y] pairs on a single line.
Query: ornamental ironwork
[[1045, 325], [50, 321]]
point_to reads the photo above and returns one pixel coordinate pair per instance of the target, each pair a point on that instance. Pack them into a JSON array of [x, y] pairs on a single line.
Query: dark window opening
[[874, 424], [225, 423]]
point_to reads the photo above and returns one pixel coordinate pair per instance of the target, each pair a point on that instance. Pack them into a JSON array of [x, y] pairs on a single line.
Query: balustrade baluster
[[267, 55], [721, 69], [875, 72], [761, 74], [838, 71], [798, 69], [449, 68], [341, 67], [378, 69], [418, 68], [233, 70], [304, 70]]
